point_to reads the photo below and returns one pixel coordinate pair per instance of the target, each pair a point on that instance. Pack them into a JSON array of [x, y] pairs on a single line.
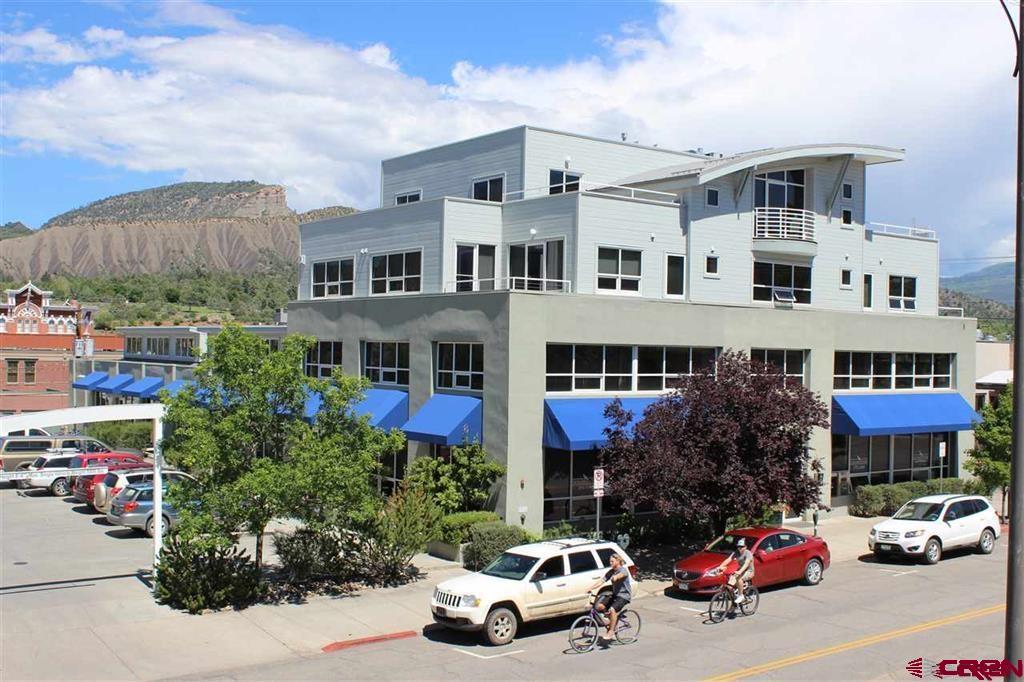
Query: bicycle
[[585, 629], [723, 603]]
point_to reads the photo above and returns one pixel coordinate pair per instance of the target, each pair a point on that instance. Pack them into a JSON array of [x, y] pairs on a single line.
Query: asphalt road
[[865, 621]]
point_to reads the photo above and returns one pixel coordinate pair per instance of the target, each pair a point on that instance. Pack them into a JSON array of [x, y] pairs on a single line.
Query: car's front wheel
[[932, 551], [987, 541], [60, 487], [500, 626], [813, 572]]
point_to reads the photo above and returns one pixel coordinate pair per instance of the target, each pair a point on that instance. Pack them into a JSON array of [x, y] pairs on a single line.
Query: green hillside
[[14, 229], [993, 282]]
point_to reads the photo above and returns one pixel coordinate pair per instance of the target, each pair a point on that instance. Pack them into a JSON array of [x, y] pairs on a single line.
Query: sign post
[[598, 493], [942, 464]]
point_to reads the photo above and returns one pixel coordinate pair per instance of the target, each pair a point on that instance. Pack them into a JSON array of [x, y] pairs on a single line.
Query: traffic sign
[[599, 482]]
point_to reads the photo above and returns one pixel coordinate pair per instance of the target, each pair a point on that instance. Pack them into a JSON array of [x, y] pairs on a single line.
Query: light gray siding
[[886, 254], [400, 228], [470, 222], [552, 217], [449, 170]]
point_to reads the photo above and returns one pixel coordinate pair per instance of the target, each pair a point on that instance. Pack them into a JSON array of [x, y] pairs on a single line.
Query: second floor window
[[781, 282], [618, 270], [474, 267], [30, 372], [584, 367], [560, 182], [322, 358], [407, 198], [183, 347], [789, 362], [902, 293], [885, 371], [12, 371], [333, 278], [536, 267], [133, 345], [387, 363], [460, 365], [396, 272], [158, 346], [675, 275], [489, 189]]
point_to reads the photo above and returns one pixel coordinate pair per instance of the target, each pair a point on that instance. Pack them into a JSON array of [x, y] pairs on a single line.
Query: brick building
[[38, 338]]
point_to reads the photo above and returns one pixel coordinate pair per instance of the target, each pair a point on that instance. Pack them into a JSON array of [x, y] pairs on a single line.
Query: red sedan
[[780, 556]]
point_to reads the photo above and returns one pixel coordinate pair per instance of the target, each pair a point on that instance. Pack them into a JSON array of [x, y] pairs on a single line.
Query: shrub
[[868, 500], [947, 485], [455, 527], [309, 554], [885, 499], [195, 575], [488, 540], [409, 520], [462, 483], [563, 529]]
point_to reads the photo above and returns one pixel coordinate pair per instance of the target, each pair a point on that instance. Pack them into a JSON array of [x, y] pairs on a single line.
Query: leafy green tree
[[989, 461], [461, 483], [409, 520]]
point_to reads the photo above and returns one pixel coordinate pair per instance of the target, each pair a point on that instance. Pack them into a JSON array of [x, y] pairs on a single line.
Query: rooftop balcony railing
[[532, 284], [783, 223], [591, 187], [902, 230]]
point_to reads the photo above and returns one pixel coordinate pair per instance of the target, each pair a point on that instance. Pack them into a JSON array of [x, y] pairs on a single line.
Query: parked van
[[17, 452]]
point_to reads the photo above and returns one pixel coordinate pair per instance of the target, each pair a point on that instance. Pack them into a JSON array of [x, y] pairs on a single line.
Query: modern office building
[[41, 342], [510, 285], [155, 358]]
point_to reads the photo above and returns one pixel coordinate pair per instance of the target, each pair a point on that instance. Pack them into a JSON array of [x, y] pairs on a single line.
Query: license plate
[[441, 611], [885, 547], [684, 586]]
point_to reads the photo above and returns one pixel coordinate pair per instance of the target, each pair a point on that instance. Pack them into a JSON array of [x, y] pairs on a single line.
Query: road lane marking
[[690, 608], [487, 658], [855, 644]]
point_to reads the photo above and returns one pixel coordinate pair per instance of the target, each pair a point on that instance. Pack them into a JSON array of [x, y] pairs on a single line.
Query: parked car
[[18, 452], [82, 490], [55, 459], [133, 508], [780, 556], [108, 459], [928, 526], [104, 492], [30, 432], [524, 584]]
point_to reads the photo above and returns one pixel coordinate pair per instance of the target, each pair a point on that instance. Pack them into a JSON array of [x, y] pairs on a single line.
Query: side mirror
[[539, 575], [761, 554]]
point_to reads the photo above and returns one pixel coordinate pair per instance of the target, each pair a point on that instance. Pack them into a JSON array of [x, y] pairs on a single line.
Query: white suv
[[928, 526], [526, 583]]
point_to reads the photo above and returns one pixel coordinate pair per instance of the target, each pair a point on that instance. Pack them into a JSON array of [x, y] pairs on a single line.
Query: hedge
[[455, 527], [488, 540], [885, 499]]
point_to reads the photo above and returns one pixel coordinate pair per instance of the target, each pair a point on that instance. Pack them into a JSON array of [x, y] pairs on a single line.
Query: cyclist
[[745, 572], [618, 576]]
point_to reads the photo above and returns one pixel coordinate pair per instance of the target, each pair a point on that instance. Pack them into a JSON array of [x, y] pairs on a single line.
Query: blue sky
[[105, 97]]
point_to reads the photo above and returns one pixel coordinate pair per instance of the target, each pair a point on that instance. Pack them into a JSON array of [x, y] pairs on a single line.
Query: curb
[[349, 643]]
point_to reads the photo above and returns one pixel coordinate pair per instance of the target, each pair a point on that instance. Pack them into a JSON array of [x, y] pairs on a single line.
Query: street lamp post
[[1014, 641]]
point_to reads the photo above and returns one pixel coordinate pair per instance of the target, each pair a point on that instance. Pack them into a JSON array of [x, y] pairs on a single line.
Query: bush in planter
[[196, 574], [488, 540], [455, 527], [898, 494], [563, 529], [868, 500], [309, 554]]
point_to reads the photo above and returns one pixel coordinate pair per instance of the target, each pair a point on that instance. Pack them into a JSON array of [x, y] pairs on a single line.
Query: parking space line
[[487, 658], [690, 608], [898, 573], [856, 644]]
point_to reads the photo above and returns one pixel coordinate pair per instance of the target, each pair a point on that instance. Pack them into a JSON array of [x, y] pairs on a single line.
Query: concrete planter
[[443, 550]]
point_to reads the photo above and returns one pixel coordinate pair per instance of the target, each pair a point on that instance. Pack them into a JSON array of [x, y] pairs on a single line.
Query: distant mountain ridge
[[14, 229], [221, 225], [993, 282]]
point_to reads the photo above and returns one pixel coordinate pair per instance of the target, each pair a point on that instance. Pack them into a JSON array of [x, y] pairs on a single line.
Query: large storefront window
[[585, 368], [862, 460], [569, 487], [789, 362], [885, 371]]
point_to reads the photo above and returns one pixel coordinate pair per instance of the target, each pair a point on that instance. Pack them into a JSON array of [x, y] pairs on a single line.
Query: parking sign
[[599, 482]]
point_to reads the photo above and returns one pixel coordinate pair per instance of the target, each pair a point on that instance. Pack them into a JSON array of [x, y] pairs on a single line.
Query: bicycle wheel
[[719, 606], [583, 634], [627, 628], [753, 598]]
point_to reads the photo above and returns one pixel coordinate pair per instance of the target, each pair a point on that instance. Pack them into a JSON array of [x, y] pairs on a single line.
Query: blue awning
[[146, 387], [387, 409], [882, 414], [114, 384], [447, 420], [579, 423], [89, 381], [177, 386]]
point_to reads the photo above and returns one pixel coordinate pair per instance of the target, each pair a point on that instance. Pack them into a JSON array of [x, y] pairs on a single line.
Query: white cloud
[[242, 101], [39, 45]]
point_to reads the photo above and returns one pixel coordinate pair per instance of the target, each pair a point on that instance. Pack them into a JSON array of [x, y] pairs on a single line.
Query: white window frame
[[183, 347], [133, 345], [707, 197], [761, 355], [871, 299], [619, 277], [475, 281], [635, 374], [382, 369], [846, 285], [562, 187], [389, 277], [457, 374], [549, 284], [927, 380], [309, 362], [776, 290], [717, 274], [406, 194], [665, 291], [487, 178], [327, 284], [902, 307]]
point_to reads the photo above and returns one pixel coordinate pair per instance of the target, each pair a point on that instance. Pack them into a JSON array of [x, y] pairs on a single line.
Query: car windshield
[[510, 566], [919, 511], [727, 543]]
